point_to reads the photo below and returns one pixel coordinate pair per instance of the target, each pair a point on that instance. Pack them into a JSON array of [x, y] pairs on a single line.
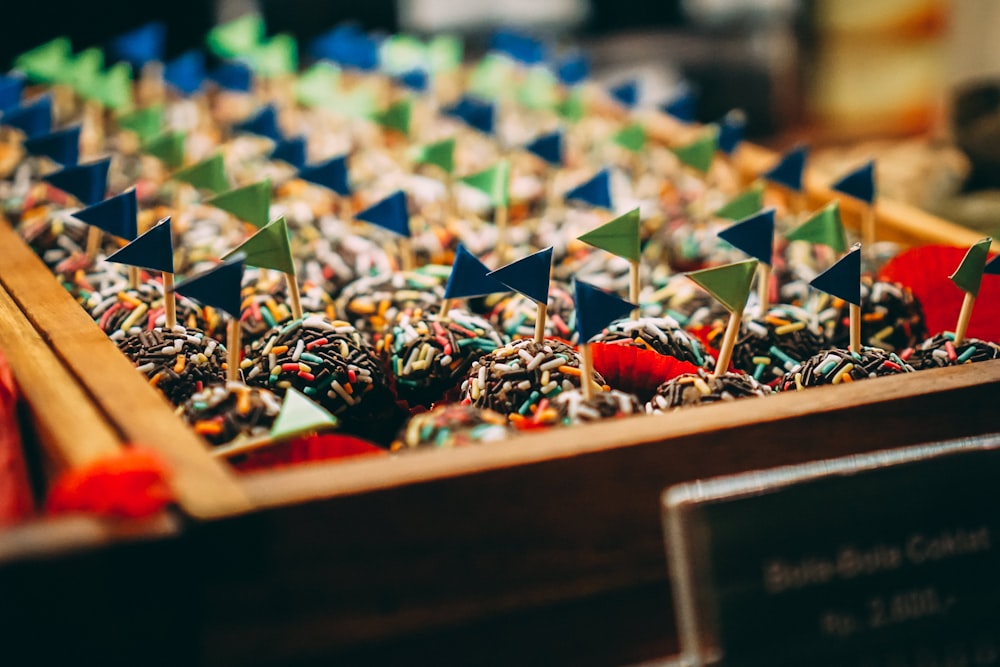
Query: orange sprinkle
[[243, 404], [569, 370], [207, 428], [155, 380], [179, 364]]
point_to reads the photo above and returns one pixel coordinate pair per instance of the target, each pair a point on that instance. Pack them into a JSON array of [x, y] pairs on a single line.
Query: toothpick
[[868, 229], [293, 295], [855, 314], [764, 287], [500, 221], [233, 342], [963, 318], [586, 379], [633, 286], [728, 343], [169, 301], [93, 242], [543, 309], [133, 277]]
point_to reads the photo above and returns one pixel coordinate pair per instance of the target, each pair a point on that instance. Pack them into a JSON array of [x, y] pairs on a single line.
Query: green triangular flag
[[699, 153], [298, 415], [440, 154], [84, 72], [277, 56], [146, 123], [631, 137], [571, 108], [396, 117], [209, 174], [539, 90], [168, 147], [237, 37], [360, 102], [444, 53], [823, 227], [494, 181], [743, 205], [403, 53], [492, 77], [318, 85], [251, 203], [619, 236], [268, 248], [969, 273], [114, 87], [47, 63], [730, 283]]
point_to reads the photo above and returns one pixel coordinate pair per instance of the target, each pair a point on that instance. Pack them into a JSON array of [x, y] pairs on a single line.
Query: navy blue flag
[[549, 147], [843, 279], [292, 151], [573, 69], [11, 87], [331, 174], [683, 106], [753, 235], [731, 129], [596, 191], [116, 215], [87, 182], [390, 213], [62, 146], [33, 118], [140, 46], [528, 276], [475, 113], [626, 94], [596, 309], [788, 172], [153, 250], [993, 267], [470, 277], [416, 80], [234, 76], [220, 287], [348, 46], [859, 184], [518, 46], [186, 72], [264, 123]]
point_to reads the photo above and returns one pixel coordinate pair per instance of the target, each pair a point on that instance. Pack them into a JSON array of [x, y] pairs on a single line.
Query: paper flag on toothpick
[[275, 57], [48, 62], [251, 203], [396, 117], [390, 213], [596, 309], [209, 174], [33, 118], [62, 146], [113, 89], [153, 250], [729, 284], [743, 205], [753, 235], [572, 107], [824, 227], [168, 148], [528, 276], [318, 86], [859, 184], [619, 236], [84, 70], [264, 123], [475, 113], [520, 47], [993, 267], [572, 69], [441, 154], [632, 137], [682, 106], [492, 77], [843, 279], [699, 153], [186, 72], [494, 182], [291, 151], [140, 46], [538, 89], [330, 174], [87, 182], [234, 76], [236, 37], [347, 46], [969, 273], [470, 277], [11, 87], [220, 287], [596, 191], [146, 123], [626, 93], [299, 414], [788, 171], [116, 215], [415, 79], [445, 53], [548, 147], [268, 248], [731, 128]]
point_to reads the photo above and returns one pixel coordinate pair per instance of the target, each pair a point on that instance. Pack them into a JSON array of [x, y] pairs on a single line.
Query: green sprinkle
[[266, 315], [965, 356], [758, 372]]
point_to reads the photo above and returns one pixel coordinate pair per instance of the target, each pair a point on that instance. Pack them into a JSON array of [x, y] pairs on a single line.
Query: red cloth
[[131, 484], [307, 449], [15, 491], [633, 369]]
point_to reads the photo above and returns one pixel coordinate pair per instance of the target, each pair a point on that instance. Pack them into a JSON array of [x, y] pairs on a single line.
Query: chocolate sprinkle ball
[[659, 334], [371, 304], [683, 300], [430, 355], [515, 378], [702, 388], [770, 347], [572, 408], [330, 362], [222, 412], [119, 307], [941, 351], [265, 304], [452, 425], [515, 315], [891, 316], [841, 365], [179, 362]]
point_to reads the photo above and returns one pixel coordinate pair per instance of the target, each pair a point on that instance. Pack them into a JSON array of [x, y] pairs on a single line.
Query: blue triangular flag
[[292, 151], [116, 215], [518, 46], [154, 250], [234, 76], [348, 46], [475, 113], [140, 46], [87, 182], [572, 69], [186, 72], [264, 123], [11, 87], [731, 129], [843, 279], [331, 174], [220, 287], [596, 191], [528, 276], [62, 146], [788, 171], [859, 184], [626, 94], [33, 118], [992, 267], [682, 106], [596, 309], [549, 147], [390, 213], [753, 235], [415, 79], [470, 277]]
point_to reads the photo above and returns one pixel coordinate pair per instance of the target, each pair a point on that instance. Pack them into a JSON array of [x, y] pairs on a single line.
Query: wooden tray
[[330, 559]]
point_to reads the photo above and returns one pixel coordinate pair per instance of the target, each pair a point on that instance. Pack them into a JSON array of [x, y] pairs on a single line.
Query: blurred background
[[915, 82]]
